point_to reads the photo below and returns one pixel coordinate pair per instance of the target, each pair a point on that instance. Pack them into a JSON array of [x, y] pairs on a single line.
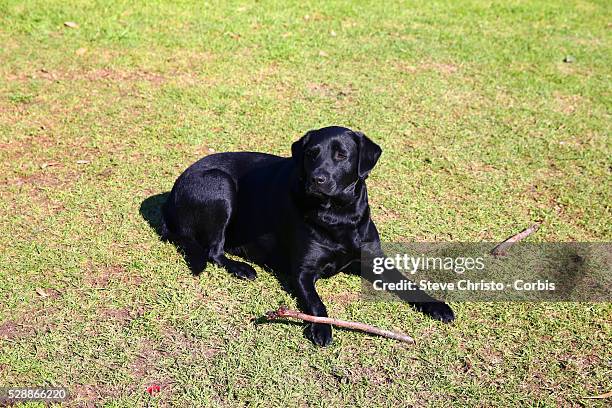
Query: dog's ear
[[369, 152], [297, 148]]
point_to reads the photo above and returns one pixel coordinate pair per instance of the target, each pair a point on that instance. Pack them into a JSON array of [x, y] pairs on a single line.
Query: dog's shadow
[[150, 210]]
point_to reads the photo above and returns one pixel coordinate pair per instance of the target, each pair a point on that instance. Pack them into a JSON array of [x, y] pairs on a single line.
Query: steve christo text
[[414, 264], [467, 285]]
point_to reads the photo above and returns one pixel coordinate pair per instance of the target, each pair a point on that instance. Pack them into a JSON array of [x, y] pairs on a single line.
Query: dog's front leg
[[304, 282]]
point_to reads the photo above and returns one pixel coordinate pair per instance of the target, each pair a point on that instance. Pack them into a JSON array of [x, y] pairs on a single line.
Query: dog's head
[[333, 159]]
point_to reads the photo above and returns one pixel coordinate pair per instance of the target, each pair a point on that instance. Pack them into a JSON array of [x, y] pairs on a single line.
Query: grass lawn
[[484, 129]]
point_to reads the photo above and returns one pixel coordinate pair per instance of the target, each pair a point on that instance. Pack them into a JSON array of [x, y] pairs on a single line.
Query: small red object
[[153, 389]]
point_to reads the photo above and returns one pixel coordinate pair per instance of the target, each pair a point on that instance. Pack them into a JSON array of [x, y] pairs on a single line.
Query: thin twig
[[284, 312], [502, 249]]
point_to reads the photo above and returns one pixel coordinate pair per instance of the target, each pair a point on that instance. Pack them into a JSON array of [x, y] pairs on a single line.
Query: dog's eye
[[340, 156]]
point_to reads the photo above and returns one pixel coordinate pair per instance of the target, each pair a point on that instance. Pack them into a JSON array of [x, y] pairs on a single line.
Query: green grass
[[484, 129]]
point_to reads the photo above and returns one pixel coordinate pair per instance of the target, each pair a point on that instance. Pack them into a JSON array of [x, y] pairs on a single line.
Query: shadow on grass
[[150, 210]]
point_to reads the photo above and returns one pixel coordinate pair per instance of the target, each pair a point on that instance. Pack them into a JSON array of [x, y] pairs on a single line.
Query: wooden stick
[[284, 312], [602, 396], [502, 249]]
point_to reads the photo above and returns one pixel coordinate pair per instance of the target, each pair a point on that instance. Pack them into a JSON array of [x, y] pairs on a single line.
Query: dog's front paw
[[320, 334], [437, 310], [242, 270]]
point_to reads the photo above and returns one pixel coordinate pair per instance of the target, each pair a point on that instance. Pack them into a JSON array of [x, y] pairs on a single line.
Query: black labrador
[[306, 216]]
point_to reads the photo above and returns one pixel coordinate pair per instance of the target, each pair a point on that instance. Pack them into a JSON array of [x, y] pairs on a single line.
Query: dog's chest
[[339, 232], [343, 244], [349, 240]]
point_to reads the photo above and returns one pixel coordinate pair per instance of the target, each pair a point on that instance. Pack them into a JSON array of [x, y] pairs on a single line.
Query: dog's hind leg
[[201, 205], [192, 252]]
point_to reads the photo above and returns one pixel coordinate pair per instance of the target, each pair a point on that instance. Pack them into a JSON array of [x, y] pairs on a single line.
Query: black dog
[[306, 216]]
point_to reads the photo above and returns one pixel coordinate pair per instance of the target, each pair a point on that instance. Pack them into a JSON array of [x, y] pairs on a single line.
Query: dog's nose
[[319, 179]]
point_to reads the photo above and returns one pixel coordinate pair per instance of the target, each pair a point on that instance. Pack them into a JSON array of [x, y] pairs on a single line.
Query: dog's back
[[252, 178], [235, 164]]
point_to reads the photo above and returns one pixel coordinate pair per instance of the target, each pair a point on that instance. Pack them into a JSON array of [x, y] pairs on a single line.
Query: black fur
[[306, 216]]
